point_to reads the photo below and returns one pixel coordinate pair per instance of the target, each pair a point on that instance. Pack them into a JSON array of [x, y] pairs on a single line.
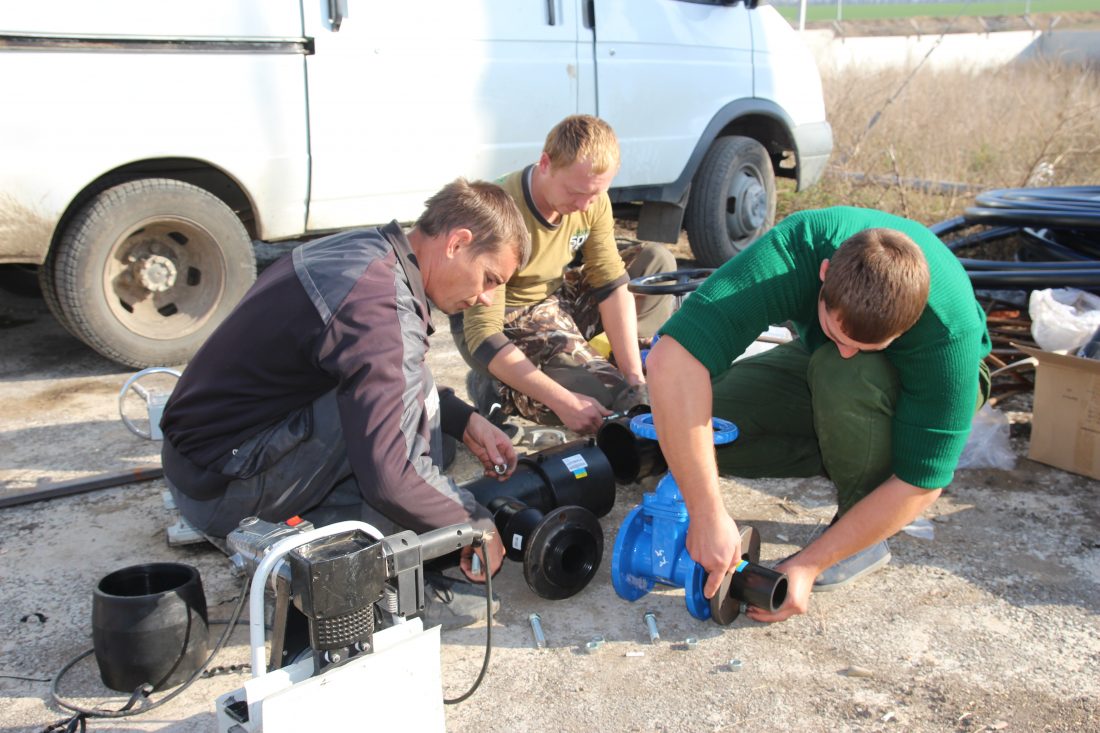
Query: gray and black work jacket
[[346, 312]]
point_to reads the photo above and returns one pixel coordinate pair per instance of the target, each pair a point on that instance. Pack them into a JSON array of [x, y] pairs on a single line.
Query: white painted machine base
[[397, 687]]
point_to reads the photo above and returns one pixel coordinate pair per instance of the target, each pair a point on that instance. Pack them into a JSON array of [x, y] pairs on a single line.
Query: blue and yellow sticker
[[576, 465]]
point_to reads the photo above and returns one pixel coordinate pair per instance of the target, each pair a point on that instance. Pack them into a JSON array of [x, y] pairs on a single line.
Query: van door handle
[[551, 11], [337, 11]]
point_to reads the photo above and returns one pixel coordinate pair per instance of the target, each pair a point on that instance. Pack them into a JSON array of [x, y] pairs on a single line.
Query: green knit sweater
[[776, 280]]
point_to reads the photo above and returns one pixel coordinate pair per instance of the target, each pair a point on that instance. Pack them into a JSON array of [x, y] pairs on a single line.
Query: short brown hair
[[486, 210], [877, 285], [583, 137]]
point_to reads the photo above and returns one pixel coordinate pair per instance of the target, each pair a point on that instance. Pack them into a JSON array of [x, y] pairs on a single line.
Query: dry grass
[[1021, 125]]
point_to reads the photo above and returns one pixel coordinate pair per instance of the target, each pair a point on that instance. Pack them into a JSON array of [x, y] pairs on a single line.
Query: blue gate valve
[[650, 548]]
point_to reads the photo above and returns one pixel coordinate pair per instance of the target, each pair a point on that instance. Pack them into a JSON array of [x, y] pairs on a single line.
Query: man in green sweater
[[529, 350], [877, 392]]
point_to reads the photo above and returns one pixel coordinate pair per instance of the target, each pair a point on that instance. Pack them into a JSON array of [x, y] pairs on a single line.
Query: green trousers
[[801, 414]]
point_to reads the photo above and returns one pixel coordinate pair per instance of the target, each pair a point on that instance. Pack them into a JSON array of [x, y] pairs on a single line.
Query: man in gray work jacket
[[314, 398]]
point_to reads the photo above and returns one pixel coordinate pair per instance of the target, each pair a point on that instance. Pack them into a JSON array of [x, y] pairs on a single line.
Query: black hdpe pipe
[[546, 515], [632, 458], [1059, 228], [1068, 207], [748, 583], [1082, 278]]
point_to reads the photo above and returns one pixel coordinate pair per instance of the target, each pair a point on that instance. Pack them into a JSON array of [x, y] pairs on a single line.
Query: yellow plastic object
[[601, 344]]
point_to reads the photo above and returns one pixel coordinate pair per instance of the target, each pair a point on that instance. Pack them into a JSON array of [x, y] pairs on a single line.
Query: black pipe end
[[631, 458], [563, 553]]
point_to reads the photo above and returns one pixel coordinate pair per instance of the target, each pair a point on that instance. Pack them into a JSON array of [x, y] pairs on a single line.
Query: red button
[[294, 521]]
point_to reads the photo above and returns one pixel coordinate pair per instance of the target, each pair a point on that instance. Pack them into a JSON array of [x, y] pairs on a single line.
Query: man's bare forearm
[[516, 370], [680, 393], [619, 316], [879, 515]]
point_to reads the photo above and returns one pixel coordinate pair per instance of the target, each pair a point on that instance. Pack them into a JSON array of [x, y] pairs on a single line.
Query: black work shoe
[[453, 603], [482, 392]]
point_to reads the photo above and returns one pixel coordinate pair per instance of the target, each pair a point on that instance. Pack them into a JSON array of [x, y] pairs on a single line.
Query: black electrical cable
[[144, 690], [488, 626], [25, 679]]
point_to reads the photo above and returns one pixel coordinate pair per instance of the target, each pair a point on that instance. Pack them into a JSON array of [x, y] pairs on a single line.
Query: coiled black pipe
[[1059, 228], [1068, 207]]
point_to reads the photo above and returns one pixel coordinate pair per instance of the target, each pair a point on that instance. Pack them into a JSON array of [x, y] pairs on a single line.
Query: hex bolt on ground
[[651, 624], [536, 629], [734, 665]]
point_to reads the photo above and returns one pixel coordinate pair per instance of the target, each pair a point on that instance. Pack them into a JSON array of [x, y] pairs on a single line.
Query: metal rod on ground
[[83, 485]]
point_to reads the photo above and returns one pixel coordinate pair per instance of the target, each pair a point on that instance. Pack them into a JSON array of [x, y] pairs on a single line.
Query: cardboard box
[[1065, 421]]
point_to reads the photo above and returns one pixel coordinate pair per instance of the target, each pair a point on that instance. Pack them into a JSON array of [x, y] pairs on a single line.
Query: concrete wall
[[1070, 46], [973, 51]]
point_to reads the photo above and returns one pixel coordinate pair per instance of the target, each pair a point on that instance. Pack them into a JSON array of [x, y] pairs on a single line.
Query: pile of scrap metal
[[1012, 241]]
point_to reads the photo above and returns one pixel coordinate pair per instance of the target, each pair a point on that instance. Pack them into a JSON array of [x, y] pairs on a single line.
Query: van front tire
[[147, 269], [732, 200]]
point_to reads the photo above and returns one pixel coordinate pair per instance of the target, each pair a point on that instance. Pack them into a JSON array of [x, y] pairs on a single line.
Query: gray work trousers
[[297, 467]]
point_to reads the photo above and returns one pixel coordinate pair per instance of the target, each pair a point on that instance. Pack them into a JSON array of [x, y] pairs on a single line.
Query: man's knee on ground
[[651, 259], [653, 310], [577, 378]]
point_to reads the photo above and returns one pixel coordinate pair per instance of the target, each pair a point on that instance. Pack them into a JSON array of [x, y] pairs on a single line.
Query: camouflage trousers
[[554, 335]]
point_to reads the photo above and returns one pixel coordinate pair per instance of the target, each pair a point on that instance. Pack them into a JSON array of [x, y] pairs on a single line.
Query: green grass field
[[854, 11]]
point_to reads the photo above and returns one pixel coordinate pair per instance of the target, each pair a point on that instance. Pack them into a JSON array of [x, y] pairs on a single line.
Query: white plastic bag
[[988, 445], [1062, 319]]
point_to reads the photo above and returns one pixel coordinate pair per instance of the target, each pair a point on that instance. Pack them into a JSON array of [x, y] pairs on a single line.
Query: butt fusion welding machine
[[330, 668]]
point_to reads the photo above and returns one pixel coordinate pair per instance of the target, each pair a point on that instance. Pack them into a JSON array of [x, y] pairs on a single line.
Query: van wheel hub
[[156, 273], [747, 206]]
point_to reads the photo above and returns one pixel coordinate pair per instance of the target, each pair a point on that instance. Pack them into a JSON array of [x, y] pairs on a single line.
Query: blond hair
[[583, 137]]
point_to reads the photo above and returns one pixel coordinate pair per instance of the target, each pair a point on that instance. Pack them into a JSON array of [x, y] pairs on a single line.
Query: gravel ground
[[990, 625]]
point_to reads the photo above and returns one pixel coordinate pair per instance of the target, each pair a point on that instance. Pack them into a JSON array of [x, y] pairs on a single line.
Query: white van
[[145, 145]]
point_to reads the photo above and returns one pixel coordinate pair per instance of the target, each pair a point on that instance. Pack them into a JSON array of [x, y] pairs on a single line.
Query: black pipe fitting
[[576, 473], [632, 458], [546, 515], [560, 551]]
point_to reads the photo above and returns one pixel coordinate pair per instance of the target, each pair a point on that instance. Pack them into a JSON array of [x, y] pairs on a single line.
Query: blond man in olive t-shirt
[[529, 350]]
